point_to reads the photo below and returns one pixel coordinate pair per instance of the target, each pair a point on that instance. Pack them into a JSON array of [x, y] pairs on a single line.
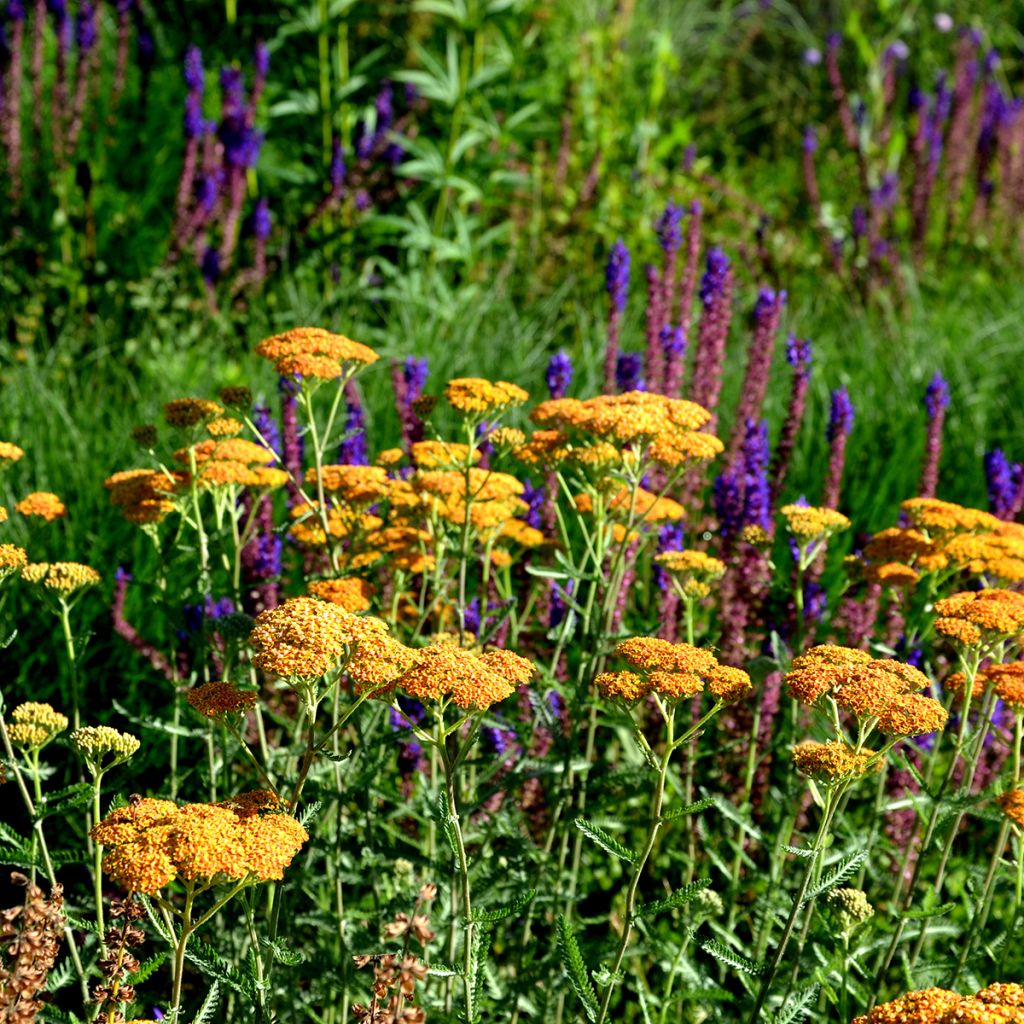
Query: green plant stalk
[[72, 655], [204, 550], [653, 828], [831, 803], [1018, 897], [97, 863], [318, 459]]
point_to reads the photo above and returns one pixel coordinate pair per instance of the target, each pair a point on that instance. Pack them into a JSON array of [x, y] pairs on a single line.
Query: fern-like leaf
[[844, 870], [209, 1007], [500, 913], [678, 898], [797, 1006], [607, 842], [575, 968], [731, 957]]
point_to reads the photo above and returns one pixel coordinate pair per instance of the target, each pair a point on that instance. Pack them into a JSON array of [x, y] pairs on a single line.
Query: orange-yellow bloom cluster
[[218, 698], [349, 592], [693, 570], [42, 505], [672, 671], [142, 495], [314, 352], [980, 618], [1000, 1003], [62, 577], [476, 395], [10, 453], [808, 523], [1012, 803], [152, 842], [33, 725], [471, 680], [829, 762]]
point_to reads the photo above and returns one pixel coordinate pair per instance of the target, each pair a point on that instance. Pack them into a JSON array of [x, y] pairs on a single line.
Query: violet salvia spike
[[691, 270], [936, 401], [842, 101], [88, 56], [999, 479], [654, 319], [291, 440], [798, 355], [559, 374], [353, 450], [12, 96], [670, 237], [617, 284], [767, 318], [124, 12], [959, 148], [713, 330], [840, 424], [673, 344]]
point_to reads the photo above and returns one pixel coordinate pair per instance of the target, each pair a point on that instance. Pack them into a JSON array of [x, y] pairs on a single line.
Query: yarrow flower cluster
[[151, 842], [477, 396], [315, 353], [42, 505], [218, 698], [694, 571], [102, 747], [980, 619], [61, 578], [34, 725], [672, 671], [999, 1003]]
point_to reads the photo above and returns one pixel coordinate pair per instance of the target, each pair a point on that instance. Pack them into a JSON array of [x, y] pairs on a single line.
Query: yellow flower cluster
[[472, 681], [10, 453], [33, 725], [12, 558], [314, 352], [224, 426], [808, 523], [102, 747], [1008, 683], [673, 671], [232, 461], [218, 698], [1000, 1003], [42, 505], [153, 842], [476, 396], [190, 412], [867, 687], [694, 571], [62, 577], [305, 638], [1012, 803], [349, 592], [944, 537], [980, 618], [658, 429], [143, 495], [443, 454], [355, 485], [832, 761]]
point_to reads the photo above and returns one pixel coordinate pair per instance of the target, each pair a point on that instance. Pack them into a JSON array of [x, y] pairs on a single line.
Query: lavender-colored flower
[[617, 275], [756, 488], [196, 616], [85, 26], [936, 396], [363, 200], [713, 281], [471, 617], [384, 105], [798, 351], [557, 602], [337, 170], [812, 56], [671, 537], [728, 499], [689, 158], [559, 374], [535, 498], [943, 22], [261, 60], [409, 712], [840, 419], [194, 77], [990, 63], [353, 450], [497, 740], [261, 220], [194, 122], [232, 88], [859, 221], [264, 421], [999, 478], [629, 372], [210, 265], [415, 371], [669, 228], [16, 10], [898, 50], [266, 563]]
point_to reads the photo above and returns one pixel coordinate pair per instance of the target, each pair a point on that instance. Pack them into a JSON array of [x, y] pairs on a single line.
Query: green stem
[[97, 863]]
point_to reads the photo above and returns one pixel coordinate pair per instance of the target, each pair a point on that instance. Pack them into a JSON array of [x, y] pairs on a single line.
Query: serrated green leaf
[[64, 800], [796, 1006], [209, 1007], [924, 915], [147, 968], [694, 808], [678, 898], [576, 968], [799, 851], [500, 913], [607, 842], [845, 869], [731, 957]]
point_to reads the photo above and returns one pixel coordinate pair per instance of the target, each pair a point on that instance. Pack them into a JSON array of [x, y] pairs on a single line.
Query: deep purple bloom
[[798, 351], [936, 396], [197, 615], [559, 374], [194, 77], [337, 171], [756, 489], [261, 60], [1002, 490], [471, 617], [194, 122], [497, 741], [671, 537], [558, 606], [211, 265], [617, 275], [712, 283], [265, 423], [353, 450], [415, 372], [261, 220], [536, 498], [728, 498], [145, 50], [898, 50], [85, 26], [840, 419], [267, 561], [859, 221], [16, 10], [669, 228], [629, 372]]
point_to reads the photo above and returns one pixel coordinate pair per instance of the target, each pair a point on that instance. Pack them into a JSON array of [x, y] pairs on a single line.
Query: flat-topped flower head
[[1008, 683], [184, 413], [12, 560], [833, 761], [377, 663], [808, 523], [34, 725], [9, 454], [41, 505], [980, 618], [152, 842], [305, 638], [729, 684], [477, 396], [997, 1004], [61, 578], [348, 592], [1012, 804], [433, 454], [937, 517], [102, 747], [472, 681], [357, 485], [237, 397], [315, 341], [218, 699], [912, 714], [649, 653]]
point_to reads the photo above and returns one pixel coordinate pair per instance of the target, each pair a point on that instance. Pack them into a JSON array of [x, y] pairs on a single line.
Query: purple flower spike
[[617, 275], [559, 374], [669, 228], [194, 77], [840, 423], [85, 27], [936, 401], [261, 220], [1003, 489], [936, 396], [337, 165], [211, 266], [261, 60], [629, 372], [416, 372], [841, 416]]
